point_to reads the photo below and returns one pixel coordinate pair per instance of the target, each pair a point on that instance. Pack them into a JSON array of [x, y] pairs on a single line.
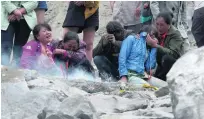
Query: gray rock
[[11, 75], [186, 83], [114, 104], [73, 107], [162, 91], [58, 85], [28, 105], [30, 75], [140, 114]]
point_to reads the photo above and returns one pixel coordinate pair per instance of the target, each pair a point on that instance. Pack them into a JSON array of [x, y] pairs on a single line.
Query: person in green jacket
[[169, 47], [18, 18]]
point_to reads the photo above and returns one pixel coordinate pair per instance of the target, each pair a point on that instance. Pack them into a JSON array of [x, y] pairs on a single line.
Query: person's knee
[[168, 61], [97, 60]]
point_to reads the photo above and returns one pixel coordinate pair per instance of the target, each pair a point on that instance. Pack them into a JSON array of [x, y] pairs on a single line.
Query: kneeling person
[[71, 53], [136, 57]]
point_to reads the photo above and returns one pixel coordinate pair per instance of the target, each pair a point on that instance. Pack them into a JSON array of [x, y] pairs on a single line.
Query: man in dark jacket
[[106, 52], [169, 44]]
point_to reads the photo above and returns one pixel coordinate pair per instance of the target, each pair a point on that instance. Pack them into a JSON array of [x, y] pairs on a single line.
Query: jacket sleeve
[[124, 54], [30, 6], [79, 55], [55, 43], [27, 58], [174, 46], [118, 44], [9, 6], [154, 6], [98, 50], [184, 14], [151, 60]]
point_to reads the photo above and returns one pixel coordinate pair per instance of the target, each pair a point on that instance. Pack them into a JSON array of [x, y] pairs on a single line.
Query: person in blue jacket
[[136, 56]]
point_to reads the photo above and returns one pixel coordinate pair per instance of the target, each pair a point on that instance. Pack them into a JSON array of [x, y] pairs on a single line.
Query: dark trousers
[[19, 31], [85, 65], [106, 68], [165, 63], [198, 26]]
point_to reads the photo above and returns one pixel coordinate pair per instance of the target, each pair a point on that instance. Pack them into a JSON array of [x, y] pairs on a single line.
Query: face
[[44, 35], [71, 45], [161, 25]]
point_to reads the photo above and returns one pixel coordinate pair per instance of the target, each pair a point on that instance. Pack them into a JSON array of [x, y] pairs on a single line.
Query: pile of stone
[[26, 95]]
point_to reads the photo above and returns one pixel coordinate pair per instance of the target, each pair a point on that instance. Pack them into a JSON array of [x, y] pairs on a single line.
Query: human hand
[[49, 53], [59, 51], [79, 3], [11, 18], [111, 38], [22, 10], [151, 42], [104, 40], [17, 14], [138, 12]]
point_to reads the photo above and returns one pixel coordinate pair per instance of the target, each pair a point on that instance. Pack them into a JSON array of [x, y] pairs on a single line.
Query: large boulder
[[186, 85]]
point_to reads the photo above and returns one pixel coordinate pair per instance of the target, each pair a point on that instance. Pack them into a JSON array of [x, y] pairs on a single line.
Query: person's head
[[42, 33], [163, 22], [149, 29], [71, 41], [115, 28]]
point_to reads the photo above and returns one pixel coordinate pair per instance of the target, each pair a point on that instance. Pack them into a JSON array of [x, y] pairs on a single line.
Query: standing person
[[107, 51], [128, 14], [198, 24], [40, 11], [169, 45], [83, 16], [146, 14], [17, 19], [179, 11]]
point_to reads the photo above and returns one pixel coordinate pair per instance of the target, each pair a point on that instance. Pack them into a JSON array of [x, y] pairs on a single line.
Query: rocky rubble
[[43, 97], [186, 86]]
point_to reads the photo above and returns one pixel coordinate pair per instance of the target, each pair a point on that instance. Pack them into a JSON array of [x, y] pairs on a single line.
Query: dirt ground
[[57, 11]]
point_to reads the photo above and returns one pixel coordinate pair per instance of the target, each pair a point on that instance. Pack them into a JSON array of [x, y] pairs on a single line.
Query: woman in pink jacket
[[37, 53]]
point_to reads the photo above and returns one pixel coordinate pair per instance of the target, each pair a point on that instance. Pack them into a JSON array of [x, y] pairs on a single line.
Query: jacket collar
[[171, 30]]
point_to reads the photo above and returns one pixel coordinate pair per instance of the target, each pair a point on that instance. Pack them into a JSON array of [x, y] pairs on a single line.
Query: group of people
[[144, 38]]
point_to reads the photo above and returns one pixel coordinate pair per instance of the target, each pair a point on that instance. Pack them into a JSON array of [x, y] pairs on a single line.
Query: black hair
[[71, 36], [38, 27], [167, 16], [114, 27], [149, 29]]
